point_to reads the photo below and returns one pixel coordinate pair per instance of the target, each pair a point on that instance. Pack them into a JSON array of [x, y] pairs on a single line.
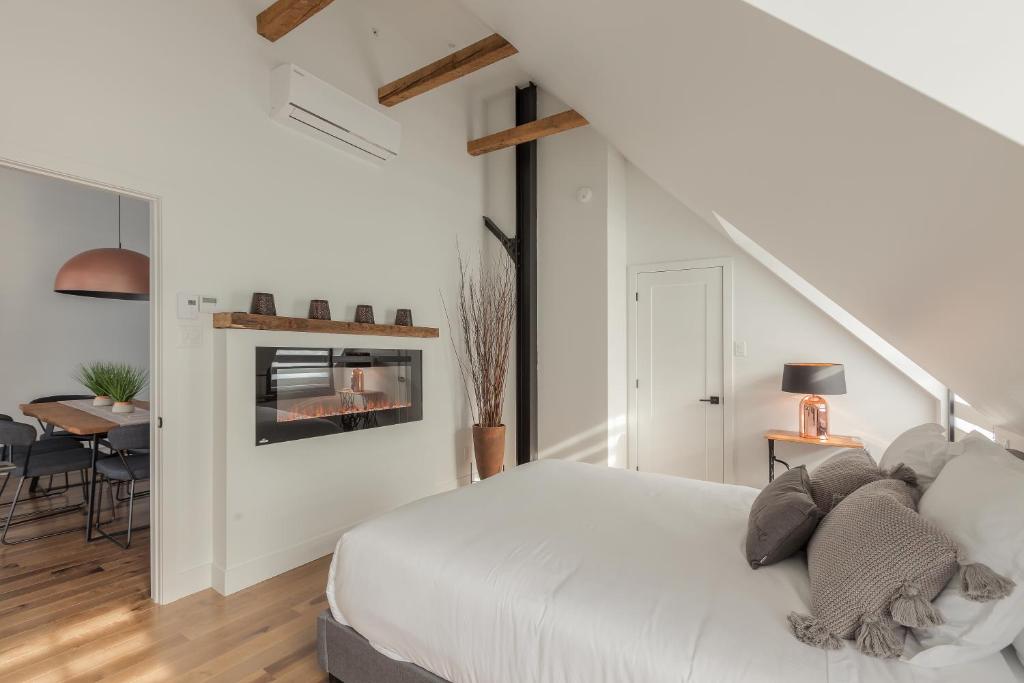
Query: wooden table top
[[833, 440], [72, 419]]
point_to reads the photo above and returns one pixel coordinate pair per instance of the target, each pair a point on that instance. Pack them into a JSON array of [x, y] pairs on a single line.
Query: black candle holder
[[319, 309], [364, 314], [403, 317], [262, 304]]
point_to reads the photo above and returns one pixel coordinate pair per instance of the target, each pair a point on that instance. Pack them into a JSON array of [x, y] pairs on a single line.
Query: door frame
[[728, 383], [156, 509]]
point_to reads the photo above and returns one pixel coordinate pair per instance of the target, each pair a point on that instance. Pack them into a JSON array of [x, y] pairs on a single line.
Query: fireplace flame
[[346, 403]]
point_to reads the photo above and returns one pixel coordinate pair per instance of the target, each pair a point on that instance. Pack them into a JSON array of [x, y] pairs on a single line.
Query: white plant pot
[[103, 401], [124, 407]]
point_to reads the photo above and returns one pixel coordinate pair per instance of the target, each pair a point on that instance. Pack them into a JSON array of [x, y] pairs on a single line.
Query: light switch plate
[[188, 306], [739, 349], [207, 303]]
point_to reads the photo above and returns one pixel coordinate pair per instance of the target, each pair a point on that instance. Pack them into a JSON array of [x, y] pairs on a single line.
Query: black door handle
[[714, 400]]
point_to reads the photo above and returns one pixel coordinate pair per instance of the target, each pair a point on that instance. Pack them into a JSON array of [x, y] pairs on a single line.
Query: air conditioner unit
[[304, 102]]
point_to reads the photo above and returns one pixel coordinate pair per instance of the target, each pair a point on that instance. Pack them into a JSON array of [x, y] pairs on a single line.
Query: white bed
[[565, 572]]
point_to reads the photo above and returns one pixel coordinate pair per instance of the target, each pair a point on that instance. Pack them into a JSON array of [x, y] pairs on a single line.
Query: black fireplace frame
[[268, 392]]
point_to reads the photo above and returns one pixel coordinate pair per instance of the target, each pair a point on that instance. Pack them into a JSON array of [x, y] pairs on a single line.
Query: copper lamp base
[[814, 417]]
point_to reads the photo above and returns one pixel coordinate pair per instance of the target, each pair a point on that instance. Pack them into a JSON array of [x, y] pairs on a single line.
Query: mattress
[[565, 572]]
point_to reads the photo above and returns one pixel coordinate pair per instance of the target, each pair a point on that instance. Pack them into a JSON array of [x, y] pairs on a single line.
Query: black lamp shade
[[824, 379]]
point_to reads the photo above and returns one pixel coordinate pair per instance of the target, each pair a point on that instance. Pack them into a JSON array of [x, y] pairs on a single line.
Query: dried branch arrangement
[[487, 314]]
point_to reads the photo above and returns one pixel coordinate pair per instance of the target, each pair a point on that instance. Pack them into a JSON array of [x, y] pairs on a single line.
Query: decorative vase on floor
[[103, 401], [123, 407], [489, 448]]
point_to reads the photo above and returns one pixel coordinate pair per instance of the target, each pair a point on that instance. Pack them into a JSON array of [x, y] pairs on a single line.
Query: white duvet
[[564, 572]]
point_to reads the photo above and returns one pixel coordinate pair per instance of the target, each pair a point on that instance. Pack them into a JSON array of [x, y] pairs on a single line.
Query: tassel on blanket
[[978, 582], [810, 631], [877, 637], [910, 608]]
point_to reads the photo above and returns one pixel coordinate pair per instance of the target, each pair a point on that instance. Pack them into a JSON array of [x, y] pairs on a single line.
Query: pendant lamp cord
[[118, 221]]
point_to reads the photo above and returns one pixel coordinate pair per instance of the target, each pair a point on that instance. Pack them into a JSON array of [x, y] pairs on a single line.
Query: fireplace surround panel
[[308, 392]]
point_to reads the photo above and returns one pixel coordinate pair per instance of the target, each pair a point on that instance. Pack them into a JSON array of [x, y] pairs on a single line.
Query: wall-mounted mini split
[[584, 195]]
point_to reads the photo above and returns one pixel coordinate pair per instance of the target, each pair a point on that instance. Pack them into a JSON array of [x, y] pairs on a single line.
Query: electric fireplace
[[303, 393]]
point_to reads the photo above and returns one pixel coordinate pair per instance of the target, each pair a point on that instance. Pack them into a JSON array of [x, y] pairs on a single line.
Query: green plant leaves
[[119, 381]]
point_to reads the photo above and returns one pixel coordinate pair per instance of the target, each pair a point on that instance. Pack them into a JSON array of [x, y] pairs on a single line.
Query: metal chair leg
[[10, 513], [131, 508], [31, 517], [127, 533], [85, 485]]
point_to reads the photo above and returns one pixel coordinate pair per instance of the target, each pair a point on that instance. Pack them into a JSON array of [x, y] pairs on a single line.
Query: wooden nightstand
[[794, 437]]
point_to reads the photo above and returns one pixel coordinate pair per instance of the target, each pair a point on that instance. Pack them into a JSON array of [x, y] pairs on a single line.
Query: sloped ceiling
[[903, 211], [967, 55]]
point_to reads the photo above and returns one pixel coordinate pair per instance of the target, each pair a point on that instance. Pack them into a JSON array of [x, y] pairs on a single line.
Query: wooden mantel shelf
[[250, 321]]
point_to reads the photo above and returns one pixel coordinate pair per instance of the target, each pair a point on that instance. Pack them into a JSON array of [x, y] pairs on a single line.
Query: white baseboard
[[186, 583], [233, 579]]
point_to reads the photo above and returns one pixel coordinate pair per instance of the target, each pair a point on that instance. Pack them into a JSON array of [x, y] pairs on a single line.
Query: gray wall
[[45, 336]]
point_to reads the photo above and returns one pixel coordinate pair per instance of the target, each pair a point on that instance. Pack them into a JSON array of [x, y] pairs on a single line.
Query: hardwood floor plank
[[72, 611]]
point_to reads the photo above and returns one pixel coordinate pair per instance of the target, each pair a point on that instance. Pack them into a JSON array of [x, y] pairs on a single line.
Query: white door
[[680, 373]]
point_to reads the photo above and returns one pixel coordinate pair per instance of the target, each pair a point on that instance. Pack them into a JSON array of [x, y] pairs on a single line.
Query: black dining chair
[[31, 459], [131, 464], [50, 431], [6, 466], [3, 446]]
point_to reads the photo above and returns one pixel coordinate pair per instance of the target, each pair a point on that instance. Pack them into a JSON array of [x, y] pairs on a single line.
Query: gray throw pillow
[[875, 564], [782, 519], [841, 475]]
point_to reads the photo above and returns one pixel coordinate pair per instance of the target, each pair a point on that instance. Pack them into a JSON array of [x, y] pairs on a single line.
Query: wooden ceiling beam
[[284, 15], [541, 128], [459, 63]]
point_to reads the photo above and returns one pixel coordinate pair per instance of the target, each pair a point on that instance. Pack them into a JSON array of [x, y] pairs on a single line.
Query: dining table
[[79, 423]]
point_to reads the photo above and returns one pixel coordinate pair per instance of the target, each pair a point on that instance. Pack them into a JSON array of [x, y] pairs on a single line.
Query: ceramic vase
[[489, 449]]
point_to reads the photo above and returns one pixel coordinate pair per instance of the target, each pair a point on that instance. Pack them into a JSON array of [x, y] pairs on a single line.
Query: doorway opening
[[77, 471]]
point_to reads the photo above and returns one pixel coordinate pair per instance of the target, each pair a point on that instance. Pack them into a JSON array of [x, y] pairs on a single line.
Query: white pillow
[[924, 449], [977, 443], [979, 501], [1018, 645]]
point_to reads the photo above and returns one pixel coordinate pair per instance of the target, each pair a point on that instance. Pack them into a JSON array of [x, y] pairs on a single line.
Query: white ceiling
[[966, 54], [395, 37], [898, 208]]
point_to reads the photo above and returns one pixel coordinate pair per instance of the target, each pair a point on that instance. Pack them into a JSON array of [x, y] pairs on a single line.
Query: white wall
[[778, 326], [795, 142], [286, 503], [171, 99], [46, 336], [618, 308], [580, 261]]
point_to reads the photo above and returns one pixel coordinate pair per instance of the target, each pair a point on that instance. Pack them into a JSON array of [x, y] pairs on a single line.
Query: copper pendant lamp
[[106, 273]]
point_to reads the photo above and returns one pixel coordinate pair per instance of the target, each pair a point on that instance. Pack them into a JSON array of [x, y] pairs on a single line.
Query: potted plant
[[93, 377], [487, 313], [124, 382]]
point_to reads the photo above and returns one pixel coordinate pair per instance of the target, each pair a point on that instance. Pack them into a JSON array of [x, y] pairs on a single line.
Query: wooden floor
[[71, 611]]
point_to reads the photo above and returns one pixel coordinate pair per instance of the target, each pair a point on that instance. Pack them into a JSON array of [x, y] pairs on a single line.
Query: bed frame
[[347, 657]]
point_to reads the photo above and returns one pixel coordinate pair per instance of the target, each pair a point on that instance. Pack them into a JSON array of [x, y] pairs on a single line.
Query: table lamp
[[816, 380]]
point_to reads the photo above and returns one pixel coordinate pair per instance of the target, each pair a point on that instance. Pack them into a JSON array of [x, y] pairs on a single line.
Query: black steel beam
[[526, 282]]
